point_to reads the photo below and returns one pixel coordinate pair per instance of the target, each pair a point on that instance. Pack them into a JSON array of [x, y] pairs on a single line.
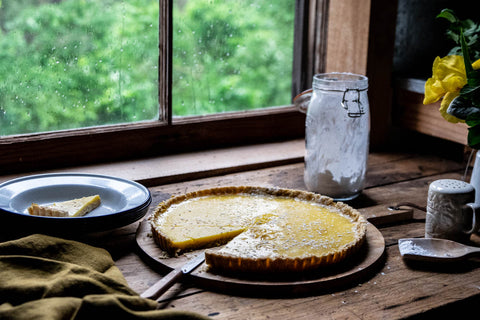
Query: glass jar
[[337, 135]]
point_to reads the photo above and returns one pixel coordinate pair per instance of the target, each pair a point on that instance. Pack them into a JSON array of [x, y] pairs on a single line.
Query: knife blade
[[162, 285]]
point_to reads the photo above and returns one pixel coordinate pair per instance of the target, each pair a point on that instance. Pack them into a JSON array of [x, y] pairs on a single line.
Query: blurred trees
[[232, 55], [77, 63]]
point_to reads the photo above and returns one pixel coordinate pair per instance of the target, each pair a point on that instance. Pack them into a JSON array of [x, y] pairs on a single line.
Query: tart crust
[[247, 259]]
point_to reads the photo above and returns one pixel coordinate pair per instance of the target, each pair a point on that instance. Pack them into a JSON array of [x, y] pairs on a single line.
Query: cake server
[[437, 250], [172, 277]]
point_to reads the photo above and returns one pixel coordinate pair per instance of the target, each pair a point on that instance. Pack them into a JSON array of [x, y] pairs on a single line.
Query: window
[[73, 64], [169, 133], [231, 55]]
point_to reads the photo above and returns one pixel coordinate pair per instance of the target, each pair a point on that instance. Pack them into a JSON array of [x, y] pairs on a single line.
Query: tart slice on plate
[[70, 208]]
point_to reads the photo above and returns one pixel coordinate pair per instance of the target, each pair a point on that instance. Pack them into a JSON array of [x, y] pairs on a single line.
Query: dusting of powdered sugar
[[408, 247]]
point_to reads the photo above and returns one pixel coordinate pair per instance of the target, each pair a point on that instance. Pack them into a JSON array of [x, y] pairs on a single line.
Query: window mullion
[[165, 61], [311, 17]]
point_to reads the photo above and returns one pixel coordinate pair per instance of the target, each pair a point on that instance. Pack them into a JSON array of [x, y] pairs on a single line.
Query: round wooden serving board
[[345, 273]]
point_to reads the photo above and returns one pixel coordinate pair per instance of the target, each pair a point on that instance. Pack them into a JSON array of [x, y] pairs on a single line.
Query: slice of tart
[[264, 229], [70, 208]]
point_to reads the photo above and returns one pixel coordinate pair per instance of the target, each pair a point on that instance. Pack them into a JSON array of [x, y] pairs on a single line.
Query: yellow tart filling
[[304, 229], [211, 219]]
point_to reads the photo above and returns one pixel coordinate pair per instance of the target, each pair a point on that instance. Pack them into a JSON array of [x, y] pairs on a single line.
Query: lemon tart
[[70, 208], [262, 229]]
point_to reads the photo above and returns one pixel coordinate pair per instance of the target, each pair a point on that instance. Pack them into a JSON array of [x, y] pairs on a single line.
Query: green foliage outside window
[[79, 63], [241, 56]]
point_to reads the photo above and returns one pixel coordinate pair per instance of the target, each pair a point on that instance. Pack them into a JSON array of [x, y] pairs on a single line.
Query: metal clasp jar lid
[[355, 99]]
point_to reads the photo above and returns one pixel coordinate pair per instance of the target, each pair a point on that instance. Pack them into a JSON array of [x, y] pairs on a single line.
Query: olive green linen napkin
[[44, 277]]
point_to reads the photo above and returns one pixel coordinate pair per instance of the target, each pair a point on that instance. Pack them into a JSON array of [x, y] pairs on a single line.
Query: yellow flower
[[448, 78], [476, 64]]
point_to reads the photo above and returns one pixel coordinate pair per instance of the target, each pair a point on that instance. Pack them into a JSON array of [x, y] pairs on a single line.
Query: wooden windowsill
[[54, 150], [194, 165], [412, 114]]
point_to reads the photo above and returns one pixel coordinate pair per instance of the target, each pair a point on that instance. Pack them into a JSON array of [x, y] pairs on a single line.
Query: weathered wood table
[[394, 289]]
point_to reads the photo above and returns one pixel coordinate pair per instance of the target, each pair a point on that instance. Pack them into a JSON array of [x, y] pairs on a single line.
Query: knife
[[172, 277]]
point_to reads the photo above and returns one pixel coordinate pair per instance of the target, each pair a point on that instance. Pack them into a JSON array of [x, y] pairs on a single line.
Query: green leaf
[[472, 123], [474, 136], [463, 109], [466, 56], [449, 15], [471, 92], [470, 29]]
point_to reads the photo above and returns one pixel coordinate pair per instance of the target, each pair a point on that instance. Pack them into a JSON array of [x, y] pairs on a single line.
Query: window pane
[[231, 55], [77, 63]]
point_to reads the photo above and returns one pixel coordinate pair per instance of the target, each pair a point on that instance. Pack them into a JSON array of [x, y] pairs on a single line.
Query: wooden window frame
[[68, 148]]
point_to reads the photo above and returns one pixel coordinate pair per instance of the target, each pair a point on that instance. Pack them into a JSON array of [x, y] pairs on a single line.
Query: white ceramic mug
[[451, 210]]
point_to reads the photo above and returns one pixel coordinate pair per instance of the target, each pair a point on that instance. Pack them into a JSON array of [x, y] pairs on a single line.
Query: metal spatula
[[172, 277]]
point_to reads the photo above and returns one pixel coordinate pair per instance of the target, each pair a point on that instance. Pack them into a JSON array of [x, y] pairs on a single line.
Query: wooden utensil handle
[[162, 285]]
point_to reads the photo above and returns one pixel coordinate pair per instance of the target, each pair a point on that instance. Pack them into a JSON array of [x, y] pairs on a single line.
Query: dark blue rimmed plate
[[123, 202]]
